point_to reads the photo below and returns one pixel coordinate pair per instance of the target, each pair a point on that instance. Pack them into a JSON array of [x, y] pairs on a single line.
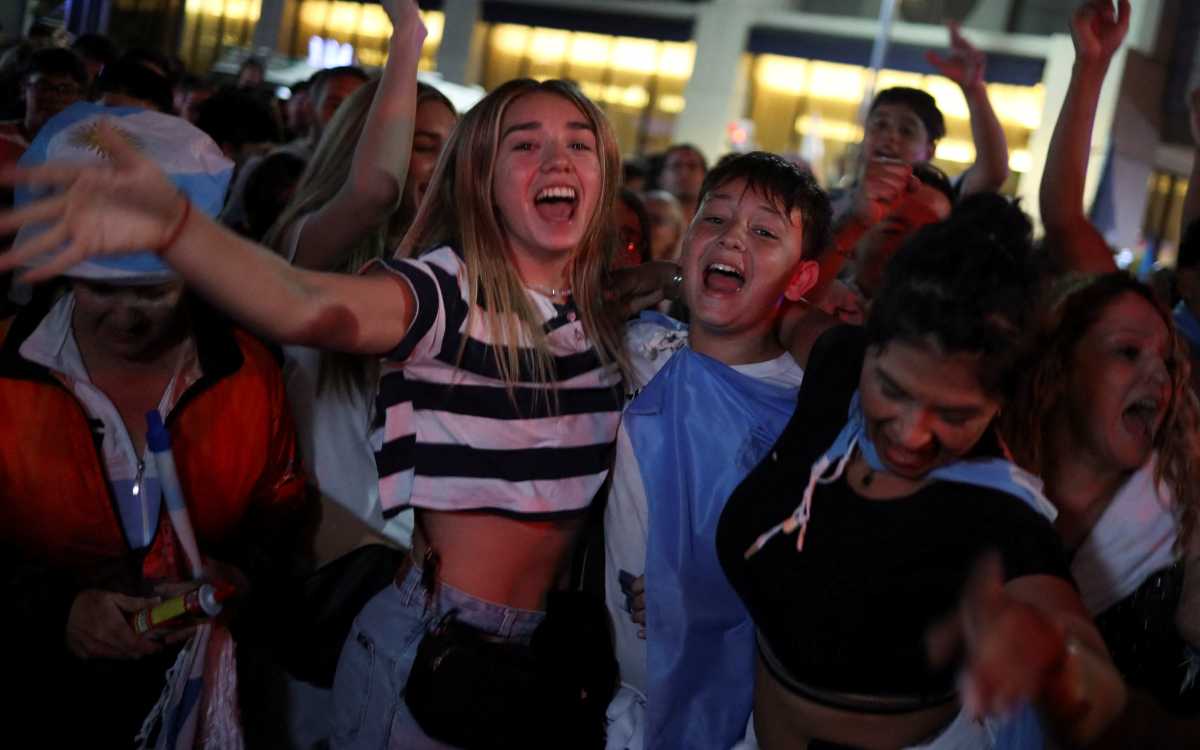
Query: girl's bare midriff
[[785, 721], [501, 559]]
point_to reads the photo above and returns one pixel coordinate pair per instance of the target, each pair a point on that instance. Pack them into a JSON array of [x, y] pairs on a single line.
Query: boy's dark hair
[[235, 118], [268, 190], [56, 61], [783, 181], [96, 47], [921, 104], [137, 74], [1189, 248], [968, 284]]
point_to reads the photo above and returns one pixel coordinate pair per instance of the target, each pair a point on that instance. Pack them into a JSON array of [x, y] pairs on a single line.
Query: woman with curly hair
[[1107, 418]]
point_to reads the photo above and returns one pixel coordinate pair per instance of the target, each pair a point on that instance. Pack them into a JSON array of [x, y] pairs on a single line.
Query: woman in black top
[[853, 543]]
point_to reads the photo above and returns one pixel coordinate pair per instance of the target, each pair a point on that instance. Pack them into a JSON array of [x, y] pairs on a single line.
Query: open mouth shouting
[[1142, 417], [556, 204], [723, 278]]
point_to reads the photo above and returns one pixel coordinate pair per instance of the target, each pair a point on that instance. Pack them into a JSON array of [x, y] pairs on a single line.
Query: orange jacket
[[234, 446]]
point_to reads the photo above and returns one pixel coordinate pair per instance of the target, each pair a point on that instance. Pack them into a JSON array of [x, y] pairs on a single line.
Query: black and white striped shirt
[[455, 440]]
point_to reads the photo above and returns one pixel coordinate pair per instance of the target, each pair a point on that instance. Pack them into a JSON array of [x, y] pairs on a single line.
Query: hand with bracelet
[[126, 204]]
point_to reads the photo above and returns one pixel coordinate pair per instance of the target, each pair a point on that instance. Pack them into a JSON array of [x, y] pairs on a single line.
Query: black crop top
[[849, 614]]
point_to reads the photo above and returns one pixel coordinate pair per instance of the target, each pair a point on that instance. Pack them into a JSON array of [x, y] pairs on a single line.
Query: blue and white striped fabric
[[193, 162]]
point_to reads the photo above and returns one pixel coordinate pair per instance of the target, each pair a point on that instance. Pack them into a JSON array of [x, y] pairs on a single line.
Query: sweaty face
[[894, 131], [433, 125], [331, 93], [1120, 383], [547, 177], [741, 255], [683, 174], [133, 322], [923, 408]]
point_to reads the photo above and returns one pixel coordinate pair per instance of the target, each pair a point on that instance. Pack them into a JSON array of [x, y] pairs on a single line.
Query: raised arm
[[372, 192], [127, 204], [1097, 33], [966, 65]]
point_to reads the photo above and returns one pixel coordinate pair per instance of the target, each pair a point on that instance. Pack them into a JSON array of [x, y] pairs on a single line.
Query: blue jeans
[[369, 711]]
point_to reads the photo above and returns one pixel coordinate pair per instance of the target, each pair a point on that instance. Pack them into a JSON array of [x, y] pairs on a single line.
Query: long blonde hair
[[325, 174], [1071, 311], [459, 210]]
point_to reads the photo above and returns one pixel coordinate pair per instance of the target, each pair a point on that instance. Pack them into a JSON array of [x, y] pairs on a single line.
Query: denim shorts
[[369, 712]]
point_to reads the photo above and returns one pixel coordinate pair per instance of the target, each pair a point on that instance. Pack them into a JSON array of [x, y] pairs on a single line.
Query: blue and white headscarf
[[192, 161]]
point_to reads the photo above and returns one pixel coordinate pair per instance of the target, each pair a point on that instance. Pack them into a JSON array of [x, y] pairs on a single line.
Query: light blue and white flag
[[193, 162]]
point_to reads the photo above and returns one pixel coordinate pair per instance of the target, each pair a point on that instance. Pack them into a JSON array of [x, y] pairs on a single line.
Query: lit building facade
[[784, 75]]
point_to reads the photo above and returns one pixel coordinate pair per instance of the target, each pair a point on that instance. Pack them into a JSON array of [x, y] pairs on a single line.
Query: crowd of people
[[493, 438]]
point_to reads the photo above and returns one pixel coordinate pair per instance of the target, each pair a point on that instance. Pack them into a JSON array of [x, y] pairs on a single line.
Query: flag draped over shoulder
[[192, 161], [697, 429]]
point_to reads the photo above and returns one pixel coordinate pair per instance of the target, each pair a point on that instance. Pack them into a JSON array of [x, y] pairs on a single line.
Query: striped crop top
[[456, 439]]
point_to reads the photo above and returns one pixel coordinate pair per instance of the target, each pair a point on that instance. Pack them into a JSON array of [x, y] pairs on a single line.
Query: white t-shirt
[[627, 515]]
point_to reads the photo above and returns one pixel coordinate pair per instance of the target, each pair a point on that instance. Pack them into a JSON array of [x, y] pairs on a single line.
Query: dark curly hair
[[779, 179], [967, 285]]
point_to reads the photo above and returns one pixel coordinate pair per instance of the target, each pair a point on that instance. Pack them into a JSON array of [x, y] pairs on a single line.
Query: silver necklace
[[551, 291]]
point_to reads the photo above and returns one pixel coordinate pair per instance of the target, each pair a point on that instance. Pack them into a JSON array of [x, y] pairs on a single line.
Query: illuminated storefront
[[210, 25], [638, 82]]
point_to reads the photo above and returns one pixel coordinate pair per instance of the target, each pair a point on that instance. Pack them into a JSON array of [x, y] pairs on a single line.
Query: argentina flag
[[192, 161]]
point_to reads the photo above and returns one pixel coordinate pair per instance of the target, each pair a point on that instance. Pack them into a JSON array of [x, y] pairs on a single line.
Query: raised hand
[[965, 65], [884, 183], [406, 20], [1098, 30], [125, 204]]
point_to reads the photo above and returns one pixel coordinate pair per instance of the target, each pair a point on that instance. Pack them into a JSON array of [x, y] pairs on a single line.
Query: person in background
[[84, 536], [97, 51], [241, 125], [329, 89], [633, 231], [634, 172], [138, 79], [268, 192], [252, 74], [189, 93], [1186, 312], [53, 80], [682, 173], [666, 225], [297, 112], [1108, 420]]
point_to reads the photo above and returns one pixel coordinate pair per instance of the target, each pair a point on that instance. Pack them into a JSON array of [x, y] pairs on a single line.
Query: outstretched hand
[[125, 204], [965, 65], [1014, 651], [1098, 30]]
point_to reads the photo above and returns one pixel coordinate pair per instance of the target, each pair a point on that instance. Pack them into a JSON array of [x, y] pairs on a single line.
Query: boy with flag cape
[[723, 392]]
